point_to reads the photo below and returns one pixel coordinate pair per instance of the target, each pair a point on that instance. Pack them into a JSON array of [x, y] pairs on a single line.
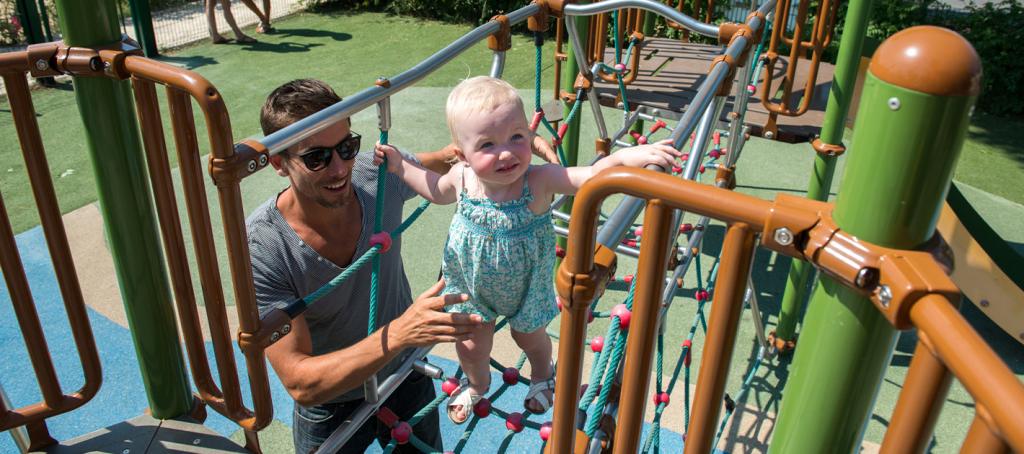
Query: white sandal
[[464, 397], [536, 393]]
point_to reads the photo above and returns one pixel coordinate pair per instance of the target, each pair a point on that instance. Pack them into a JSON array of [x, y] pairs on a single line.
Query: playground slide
[[988, 272]]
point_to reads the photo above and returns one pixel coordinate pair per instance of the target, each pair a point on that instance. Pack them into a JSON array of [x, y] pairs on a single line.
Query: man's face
[[330, 186]]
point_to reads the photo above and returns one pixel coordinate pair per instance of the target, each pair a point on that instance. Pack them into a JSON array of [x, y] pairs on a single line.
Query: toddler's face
[[496, 144]]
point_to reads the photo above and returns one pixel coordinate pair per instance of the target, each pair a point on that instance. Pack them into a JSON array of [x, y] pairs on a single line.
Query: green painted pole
[[913, 116], [839, 98], [142, 21], [44, 19], [112, 134], [30, 21]]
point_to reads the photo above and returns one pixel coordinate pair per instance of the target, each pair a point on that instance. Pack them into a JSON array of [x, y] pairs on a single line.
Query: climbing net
[[596, 399]]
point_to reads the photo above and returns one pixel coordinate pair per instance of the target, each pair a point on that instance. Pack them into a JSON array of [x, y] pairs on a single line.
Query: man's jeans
[[312, 425]]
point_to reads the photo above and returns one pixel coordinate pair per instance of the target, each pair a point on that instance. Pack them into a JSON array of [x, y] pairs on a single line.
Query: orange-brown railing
[[920, 295], [822, 26], [13, 67], [227, 168]]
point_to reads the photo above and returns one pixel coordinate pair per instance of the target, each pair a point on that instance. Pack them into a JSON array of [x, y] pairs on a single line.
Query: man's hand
[[425, 322], [544, 150]]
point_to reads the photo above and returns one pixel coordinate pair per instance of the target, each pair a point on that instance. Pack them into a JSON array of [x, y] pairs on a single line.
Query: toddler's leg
[[474, 357], [537, 346]]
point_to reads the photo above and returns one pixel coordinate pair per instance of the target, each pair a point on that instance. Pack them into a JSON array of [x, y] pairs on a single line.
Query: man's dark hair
[[294, 101]]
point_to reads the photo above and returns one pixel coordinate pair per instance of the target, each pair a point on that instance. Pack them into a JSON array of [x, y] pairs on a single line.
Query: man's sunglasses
[[318, 158]]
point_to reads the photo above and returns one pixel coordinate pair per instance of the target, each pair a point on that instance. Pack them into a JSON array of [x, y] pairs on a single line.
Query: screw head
[[263, 160], [866, 277], [195, 442], [884, 295], [252, 165], [894, 103], [983, 303], [769, 135], [275, 336], [783, 236], [41, 64], [286, 329]]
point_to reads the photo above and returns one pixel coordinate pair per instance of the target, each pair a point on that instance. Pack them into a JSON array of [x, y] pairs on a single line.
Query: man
[[307, 235]]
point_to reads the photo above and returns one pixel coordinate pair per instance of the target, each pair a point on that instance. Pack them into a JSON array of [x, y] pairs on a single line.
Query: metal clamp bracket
[[894, 279], [249, 156], [577, 289], [501, 40]]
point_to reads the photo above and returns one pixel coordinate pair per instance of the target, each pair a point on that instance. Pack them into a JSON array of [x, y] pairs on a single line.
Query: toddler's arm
[[556, 179], [430, 185]]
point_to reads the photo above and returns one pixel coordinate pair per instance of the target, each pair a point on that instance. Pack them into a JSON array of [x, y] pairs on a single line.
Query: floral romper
[[502, 255]]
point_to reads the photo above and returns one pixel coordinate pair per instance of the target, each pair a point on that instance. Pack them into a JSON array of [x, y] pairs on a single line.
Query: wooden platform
[[671, 71]]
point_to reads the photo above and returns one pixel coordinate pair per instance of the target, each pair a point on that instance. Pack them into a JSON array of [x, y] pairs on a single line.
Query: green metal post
[[839, 98], [571, 141], [44, 19], [112, 133], [912, 120], [142, 21], [30, 22]]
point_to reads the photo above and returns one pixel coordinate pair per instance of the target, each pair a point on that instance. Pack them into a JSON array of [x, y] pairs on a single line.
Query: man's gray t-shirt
[[285, 269]]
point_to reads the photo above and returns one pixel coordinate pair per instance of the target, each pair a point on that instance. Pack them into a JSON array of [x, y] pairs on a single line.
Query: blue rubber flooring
[[122, 395]]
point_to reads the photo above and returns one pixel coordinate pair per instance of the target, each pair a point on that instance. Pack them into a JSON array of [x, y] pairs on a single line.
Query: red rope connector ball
[[401, 432], [514, 422], [449, 386], [597, 344], [386, 416], [621, 311], [545, 431], [627, 278], [661, 398], [716, 138], [687, 345], [383, 239], [482, 409], [510, 376], [559, 252], [640, 139], [751, 89], [686, 228]]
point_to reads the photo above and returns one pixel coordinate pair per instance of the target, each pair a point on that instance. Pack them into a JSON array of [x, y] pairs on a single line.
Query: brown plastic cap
[[929, 59]]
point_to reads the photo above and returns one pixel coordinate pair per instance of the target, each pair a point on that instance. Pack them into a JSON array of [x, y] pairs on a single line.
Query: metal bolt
[[894, 103], [126, 451], [866, 277], [783, 236], [195, 442], [275, 336], [263, 160], [42, 65], [286, 329], [884, 295], [769, 135], [983, 303], [252, 165]]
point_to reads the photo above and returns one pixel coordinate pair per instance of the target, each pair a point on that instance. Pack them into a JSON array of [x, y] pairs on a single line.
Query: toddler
[[501, 243]]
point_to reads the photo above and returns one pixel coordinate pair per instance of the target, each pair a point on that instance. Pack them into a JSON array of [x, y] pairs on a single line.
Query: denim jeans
[[312, 425]]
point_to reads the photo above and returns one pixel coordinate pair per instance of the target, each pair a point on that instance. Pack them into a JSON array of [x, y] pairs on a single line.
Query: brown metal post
[[919, 404], [644, 325], [985, 376], [980, 437], [726, 308]]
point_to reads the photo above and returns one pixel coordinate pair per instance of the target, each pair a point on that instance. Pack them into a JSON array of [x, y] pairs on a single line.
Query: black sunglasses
[[318, 158]]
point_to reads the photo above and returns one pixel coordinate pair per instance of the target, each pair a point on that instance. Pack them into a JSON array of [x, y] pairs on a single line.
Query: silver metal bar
[[702, 138], [366, 410], [326, 118], [577, 46], [18, 434], [751, 298], [384, 114], [427, 369], [595, 106], [370, 389], [498, 64], [655, 7]]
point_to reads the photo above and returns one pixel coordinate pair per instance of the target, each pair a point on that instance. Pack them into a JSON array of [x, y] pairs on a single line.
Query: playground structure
[[906, 286]]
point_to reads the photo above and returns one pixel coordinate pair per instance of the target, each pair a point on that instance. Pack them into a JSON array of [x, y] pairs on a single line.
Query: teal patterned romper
[[502, 255]]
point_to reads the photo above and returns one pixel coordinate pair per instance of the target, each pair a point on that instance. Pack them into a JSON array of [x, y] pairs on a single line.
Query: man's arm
[[312, 380]]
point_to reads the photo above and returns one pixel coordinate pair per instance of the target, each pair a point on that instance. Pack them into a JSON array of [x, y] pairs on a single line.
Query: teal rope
[[743, 390], [382, 174]]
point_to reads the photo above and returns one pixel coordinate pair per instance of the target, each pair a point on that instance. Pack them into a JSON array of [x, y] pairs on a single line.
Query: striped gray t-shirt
[[285, 268]]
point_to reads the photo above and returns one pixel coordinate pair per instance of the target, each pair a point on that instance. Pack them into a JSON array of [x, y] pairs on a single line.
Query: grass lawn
[[350, 51]]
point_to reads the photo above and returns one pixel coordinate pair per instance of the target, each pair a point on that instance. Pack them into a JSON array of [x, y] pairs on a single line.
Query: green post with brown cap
[[913, 116]]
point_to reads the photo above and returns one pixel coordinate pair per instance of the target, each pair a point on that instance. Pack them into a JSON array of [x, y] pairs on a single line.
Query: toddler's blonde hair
[[476, 95]]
